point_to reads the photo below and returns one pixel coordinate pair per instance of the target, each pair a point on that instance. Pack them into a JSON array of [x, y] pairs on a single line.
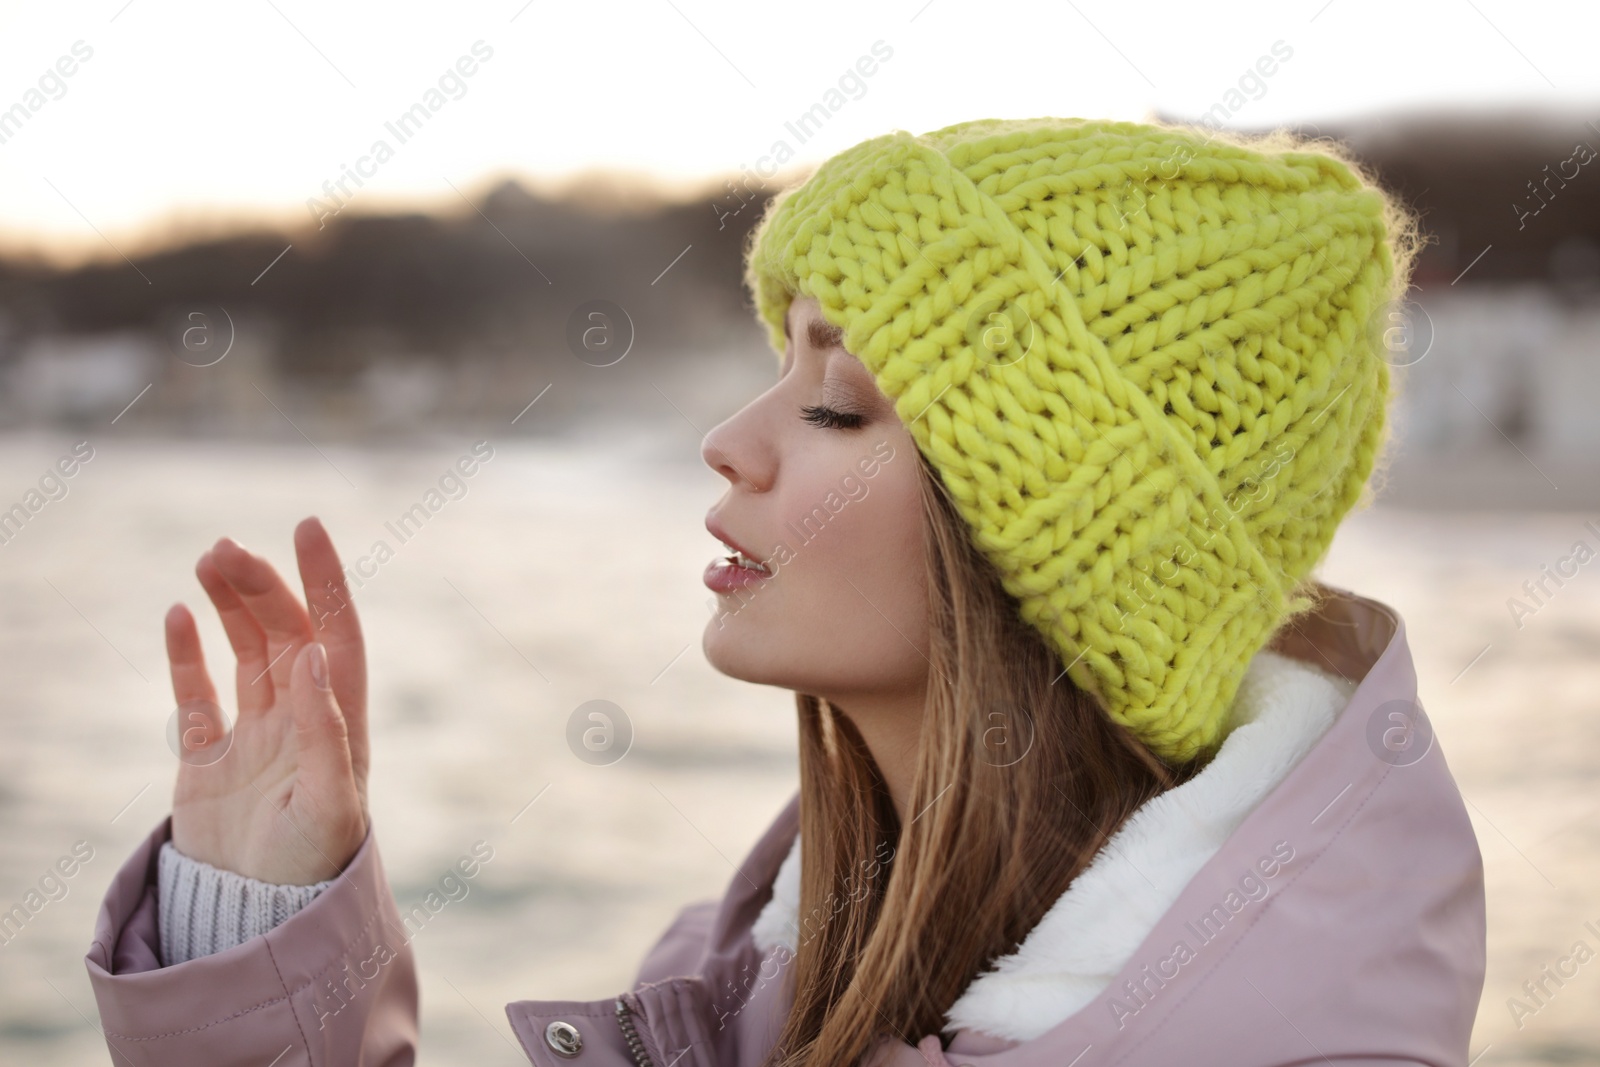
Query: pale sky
[[205, 111]]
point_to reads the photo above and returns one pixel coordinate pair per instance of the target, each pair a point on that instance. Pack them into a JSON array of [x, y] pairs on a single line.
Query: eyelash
[[818, 415]]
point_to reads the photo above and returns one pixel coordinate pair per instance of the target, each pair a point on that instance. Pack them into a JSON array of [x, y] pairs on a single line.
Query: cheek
[[858, 592]]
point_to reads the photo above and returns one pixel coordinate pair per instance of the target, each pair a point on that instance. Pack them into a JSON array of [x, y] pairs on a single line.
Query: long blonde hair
[[1020, 779]]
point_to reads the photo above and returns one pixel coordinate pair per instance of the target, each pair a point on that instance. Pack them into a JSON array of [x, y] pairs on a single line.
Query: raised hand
[[287, 800]]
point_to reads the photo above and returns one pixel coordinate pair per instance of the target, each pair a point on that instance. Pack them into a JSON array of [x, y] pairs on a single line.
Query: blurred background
[[268, 260]]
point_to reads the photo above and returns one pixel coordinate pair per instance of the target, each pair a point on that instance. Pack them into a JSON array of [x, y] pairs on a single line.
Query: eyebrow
[[822, 335]]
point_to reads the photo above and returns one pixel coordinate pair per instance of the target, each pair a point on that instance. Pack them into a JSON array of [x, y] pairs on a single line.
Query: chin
[[742, 648], [731, 648]]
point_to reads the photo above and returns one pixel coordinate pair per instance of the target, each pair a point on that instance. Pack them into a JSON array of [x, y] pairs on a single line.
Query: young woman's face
[[830, 504]]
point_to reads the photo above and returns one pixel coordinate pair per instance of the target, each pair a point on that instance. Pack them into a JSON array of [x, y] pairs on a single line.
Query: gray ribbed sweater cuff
[[204, 910]]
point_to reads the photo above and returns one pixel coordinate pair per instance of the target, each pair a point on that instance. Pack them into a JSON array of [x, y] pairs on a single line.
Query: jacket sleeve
[[335, 984]]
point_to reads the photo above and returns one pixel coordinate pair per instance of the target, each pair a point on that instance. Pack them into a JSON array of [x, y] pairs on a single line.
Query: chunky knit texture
[[1145, 361]]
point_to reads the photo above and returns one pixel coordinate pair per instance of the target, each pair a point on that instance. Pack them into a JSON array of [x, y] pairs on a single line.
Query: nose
[[737, 449]]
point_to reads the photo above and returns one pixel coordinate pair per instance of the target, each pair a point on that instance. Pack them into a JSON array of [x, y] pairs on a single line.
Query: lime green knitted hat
[[1144, 359]]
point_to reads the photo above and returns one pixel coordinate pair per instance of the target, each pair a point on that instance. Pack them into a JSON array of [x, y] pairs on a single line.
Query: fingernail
[[319, 665]]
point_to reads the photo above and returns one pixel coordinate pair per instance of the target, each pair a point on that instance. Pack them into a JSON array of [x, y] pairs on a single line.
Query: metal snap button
[[563, 1038]]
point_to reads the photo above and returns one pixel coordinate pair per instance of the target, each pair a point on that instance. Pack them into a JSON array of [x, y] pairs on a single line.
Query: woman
[[1092, 771]]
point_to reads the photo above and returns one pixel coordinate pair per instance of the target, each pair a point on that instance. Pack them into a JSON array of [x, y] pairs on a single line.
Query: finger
[[276, 609], [338, 628], [248, 640], [323, 767], [185, 659], [200, 723]]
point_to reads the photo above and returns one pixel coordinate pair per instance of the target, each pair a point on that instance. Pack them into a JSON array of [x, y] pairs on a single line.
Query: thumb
[[322, 738]]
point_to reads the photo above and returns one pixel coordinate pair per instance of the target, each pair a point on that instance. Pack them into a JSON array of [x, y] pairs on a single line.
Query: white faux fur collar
[[1282, 709]]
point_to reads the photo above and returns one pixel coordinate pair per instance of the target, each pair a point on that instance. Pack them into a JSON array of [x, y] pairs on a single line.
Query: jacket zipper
[[636, 1049]]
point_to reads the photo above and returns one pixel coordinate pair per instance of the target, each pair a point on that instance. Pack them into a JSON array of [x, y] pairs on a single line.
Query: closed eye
[[820, 415]]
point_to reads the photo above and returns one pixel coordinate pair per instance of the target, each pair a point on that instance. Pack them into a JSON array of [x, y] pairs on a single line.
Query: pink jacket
[[1369, 949]]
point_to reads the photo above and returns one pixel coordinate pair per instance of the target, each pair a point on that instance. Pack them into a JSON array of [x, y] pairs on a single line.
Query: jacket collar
[[1283, 707]]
